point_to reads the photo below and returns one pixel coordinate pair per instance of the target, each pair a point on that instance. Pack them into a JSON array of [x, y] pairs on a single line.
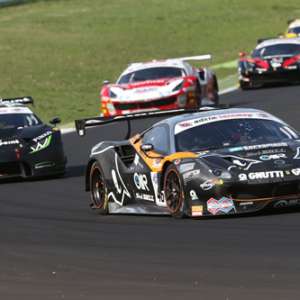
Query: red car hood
[[146, 90]]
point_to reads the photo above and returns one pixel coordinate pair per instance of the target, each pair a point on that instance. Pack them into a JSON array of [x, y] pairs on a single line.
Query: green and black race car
[[28, 147]]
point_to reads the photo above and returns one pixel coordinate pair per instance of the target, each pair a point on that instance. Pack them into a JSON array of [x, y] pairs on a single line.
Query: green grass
[[60, 51]]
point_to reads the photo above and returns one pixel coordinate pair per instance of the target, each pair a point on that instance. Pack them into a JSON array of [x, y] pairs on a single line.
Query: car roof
[[216, 112], [6, 109], [278, 41], [173, 63]]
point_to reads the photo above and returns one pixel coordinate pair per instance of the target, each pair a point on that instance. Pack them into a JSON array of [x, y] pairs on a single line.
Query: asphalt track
[[53, 247]]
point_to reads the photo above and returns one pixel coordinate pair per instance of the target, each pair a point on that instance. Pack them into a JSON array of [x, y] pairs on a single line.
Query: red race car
[[160, 85]]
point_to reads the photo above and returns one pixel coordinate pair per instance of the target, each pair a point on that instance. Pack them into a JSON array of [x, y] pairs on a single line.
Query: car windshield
[[228, 133], [151, 74], [294, 30], [277, 50], [18, 120]]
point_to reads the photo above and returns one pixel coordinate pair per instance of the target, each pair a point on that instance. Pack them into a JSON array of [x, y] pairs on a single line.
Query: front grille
[[10, 169], [146, 104], [259, 191]]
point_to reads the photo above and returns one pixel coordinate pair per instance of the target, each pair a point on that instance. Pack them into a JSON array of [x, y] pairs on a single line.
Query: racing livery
[[28, 147], [205, 163], [272, 61], [166, 84]]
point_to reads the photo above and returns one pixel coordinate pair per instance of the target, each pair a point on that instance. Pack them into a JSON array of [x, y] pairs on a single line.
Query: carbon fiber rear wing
[[19, 100], [82, 124]]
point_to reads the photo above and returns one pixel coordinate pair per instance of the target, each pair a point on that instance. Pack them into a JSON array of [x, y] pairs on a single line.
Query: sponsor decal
[[41, 145], [184, 125], [267, 157], [297, 155], [121, 188], [190, 175], [265, 151], [258, 147], [210, 183], [159, 197], [201, 153], [243, 163], [177, 161], [141, 181], [186, 167], [261, 175], [224, 205], [136, 160], [193, 195], [156, 163], [246, 203], [146, 197], [296, 171], [42, 136], [9, 142], [197, 210]]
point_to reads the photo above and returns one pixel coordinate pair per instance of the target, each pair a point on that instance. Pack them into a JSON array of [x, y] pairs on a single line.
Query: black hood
[[23, 133]]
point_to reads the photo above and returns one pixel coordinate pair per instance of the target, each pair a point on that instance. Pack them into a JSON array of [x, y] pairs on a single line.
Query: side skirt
[[137, 209]]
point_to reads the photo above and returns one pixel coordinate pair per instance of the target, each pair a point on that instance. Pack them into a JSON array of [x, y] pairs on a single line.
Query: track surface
[[53, 247]]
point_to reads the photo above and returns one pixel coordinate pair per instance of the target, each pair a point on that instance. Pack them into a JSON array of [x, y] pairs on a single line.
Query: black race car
[[206, 163], [28, 147], [272, 61]]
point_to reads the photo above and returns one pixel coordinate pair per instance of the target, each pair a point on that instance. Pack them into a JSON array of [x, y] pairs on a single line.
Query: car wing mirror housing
[[55, 121]]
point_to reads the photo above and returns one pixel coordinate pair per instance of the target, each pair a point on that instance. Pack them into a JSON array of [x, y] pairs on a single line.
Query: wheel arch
[[87, 173]]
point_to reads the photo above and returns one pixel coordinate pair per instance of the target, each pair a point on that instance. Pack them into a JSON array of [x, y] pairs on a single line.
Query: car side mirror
[[242, 54], [105, 82], [147, 147], [55, 121]]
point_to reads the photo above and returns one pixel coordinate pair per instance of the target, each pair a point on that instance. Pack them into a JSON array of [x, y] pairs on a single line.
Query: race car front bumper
[[271, 76]]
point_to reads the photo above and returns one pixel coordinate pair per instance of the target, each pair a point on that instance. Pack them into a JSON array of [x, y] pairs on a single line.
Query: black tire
[[98, 190], [174, 193], [244, 85]]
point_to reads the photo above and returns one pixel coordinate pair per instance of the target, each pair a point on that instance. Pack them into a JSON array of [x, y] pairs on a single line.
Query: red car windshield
[[151, 74]]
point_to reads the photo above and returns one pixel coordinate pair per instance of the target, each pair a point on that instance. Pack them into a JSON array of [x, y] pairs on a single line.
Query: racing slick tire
[[245, 85], [173, 191], [216, 91], [98, 188]]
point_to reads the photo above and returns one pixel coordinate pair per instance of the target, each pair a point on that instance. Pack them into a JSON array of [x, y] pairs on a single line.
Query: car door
[[144, 181]]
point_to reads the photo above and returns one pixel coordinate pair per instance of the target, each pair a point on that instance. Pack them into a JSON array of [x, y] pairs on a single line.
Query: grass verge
[[60, 51]]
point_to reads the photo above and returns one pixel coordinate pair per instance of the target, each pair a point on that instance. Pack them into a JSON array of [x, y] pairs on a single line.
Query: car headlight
[[222, 174], [112, 94], [178, 87], [41, 144]]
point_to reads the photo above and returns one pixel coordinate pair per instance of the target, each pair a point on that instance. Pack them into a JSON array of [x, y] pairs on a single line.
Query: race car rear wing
[[19, 100], [82, 124], [197, 57]]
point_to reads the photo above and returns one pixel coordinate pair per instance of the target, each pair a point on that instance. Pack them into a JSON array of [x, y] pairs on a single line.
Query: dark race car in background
[[293, 29], [28, 147], [208, 163], [165, 84], [272, 61]]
